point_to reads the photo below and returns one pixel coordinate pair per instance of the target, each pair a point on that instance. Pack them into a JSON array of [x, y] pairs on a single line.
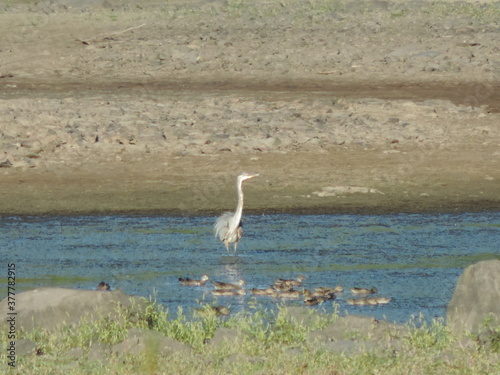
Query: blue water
[[413, 259]]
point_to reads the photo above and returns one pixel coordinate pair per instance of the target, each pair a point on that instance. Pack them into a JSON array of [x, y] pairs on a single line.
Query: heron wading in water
[[228, 226]]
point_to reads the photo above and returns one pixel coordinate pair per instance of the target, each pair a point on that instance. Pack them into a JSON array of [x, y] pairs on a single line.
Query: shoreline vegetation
[[286, 341]]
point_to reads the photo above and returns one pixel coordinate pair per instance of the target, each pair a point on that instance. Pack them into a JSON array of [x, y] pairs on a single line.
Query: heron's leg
[[227, 246], [235, 246]]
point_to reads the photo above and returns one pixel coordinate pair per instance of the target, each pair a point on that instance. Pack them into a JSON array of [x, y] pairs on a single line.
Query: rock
[[303, 316], [344, 328], [141, 340], [476, 299], [354, 334], [99, 352], [5, 163], [74, 354], [348, 347], [228, 335], [47, 308], [25, 346]]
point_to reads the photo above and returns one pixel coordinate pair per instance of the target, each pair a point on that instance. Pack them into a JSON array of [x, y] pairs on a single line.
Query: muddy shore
[[388, 107]]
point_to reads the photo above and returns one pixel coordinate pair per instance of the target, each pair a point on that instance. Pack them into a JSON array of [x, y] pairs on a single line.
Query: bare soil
[[341, 107]]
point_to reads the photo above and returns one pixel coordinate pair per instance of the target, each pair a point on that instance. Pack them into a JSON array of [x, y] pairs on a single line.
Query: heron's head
[[245, 176]]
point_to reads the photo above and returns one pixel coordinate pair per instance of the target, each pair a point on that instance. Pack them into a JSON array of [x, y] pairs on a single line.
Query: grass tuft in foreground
[[262, 342]]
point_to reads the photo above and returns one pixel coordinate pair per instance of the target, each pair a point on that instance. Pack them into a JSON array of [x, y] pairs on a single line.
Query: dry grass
[[268, 343]]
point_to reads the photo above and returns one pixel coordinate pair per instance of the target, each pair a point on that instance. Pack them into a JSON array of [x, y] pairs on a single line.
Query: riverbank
[[361, 181], [340, 107]]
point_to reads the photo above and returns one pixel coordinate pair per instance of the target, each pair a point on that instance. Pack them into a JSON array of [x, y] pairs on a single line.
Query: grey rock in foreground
[[46, 308], [141, 340], [476, 298], [358, 334]]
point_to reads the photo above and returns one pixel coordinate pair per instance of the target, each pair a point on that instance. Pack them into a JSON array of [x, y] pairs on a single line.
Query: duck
[[191, 282], [307, 293], [289, 294], [328, 293], [229, 292], [222, 310], [291, 282], [103, 286], [312, 301], [357, 301], [383, 300], [364, 290], [213, 310], [262, 292], [282, 287], [227, 286], [323, 289], [324, 295]]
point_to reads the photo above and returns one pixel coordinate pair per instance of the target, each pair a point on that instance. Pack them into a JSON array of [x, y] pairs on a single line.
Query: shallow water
[[413, 259]]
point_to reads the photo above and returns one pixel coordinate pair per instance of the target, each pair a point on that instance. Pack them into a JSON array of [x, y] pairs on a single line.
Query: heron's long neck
[[239, 207]]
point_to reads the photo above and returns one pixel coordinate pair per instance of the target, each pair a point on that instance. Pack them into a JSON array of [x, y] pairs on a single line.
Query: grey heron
[[228, 226]]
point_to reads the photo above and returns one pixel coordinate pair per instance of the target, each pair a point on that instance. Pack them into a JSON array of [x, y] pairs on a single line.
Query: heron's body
[[228, 227], [222, 230]]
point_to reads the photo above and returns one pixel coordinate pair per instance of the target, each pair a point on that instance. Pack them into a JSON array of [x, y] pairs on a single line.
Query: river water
[[415, 259]]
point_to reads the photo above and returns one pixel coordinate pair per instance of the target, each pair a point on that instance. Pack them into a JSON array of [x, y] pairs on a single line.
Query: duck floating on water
[[290, 282], [227, 286], [229, 292], [103, 286], [326, 293], [323, 289], [364, 290], [262, 292], [191, 282], [364, 301], [288, 294], [383, 300], [311, 301], [357, 301]]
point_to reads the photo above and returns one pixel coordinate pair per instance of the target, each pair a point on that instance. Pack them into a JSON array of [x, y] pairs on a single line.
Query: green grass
[[269, 342]]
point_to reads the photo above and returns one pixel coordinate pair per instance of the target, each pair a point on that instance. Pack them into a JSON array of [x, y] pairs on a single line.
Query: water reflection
[[413, 259]]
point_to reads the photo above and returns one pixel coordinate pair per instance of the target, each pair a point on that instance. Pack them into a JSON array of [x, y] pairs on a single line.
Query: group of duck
[[288, 289]]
